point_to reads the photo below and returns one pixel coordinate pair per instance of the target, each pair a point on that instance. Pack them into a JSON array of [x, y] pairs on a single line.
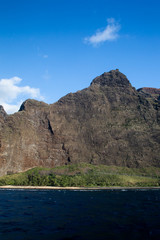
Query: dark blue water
[[67, 214]]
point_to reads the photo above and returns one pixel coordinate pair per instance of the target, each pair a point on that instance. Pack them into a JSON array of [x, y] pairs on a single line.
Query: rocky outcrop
[[150, 93], [107, 123]]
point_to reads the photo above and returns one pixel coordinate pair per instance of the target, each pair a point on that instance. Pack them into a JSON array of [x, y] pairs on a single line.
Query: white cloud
[[11, 108], [10, 94], [110, 33]]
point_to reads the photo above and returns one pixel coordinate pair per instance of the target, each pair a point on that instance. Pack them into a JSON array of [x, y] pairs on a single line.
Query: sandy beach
[[73, 188]]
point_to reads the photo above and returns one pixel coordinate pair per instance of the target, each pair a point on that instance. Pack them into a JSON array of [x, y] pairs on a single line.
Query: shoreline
[[74, 188]]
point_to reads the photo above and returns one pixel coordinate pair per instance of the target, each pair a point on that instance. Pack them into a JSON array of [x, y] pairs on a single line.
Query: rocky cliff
[[110, 122]]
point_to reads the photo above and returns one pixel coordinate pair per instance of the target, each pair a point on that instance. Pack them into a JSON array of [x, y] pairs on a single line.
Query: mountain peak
[[31, 104], [113, 78]]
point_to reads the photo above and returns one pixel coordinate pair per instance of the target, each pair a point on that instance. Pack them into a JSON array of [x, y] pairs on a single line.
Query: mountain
[[110, 123], [150, 93]]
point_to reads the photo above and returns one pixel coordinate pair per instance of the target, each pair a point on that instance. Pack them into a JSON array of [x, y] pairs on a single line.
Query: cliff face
[[107, 123]]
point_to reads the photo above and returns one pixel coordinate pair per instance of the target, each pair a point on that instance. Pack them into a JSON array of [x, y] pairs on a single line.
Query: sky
[[49, 48]]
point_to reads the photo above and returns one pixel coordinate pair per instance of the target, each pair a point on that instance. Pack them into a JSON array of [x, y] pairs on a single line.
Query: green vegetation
[[85, 175]]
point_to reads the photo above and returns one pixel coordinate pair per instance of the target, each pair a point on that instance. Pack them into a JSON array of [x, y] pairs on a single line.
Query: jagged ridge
[[107, 123]]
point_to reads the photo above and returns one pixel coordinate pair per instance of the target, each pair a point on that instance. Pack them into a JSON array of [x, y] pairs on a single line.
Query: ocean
[[79, 214]]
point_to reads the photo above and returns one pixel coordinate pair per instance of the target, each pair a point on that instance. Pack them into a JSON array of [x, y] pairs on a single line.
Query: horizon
[[50, 48]]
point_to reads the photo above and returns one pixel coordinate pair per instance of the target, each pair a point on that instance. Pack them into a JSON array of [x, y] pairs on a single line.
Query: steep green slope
[[86, 175]]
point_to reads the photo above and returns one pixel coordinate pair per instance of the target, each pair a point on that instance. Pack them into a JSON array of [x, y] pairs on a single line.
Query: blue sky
[[49, 48]]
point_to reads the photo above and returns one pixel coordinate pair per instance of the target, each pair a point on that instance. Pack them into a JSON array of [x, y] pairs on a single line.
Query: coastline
[[74, 188]]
